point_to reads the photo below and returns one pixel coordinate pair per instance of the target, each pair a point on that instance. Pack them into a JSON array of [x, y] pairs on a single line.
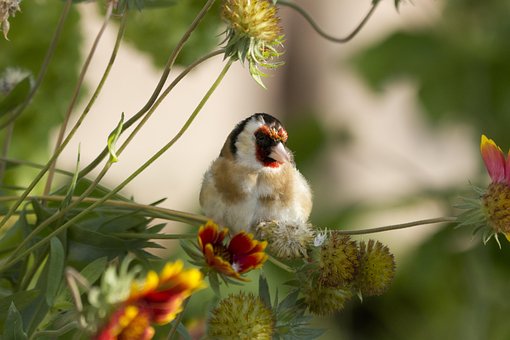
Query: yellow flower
[[156, 299]]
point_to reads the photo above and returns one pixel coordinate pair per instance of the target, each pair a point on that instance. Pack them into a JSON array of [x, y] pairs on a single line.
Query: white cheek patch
[[245, 144]]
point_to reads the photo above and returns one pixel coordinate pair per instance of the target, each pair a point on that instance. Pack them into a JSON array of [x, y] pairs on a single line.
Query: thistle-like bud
[[288, 241], [253, 34], [8, 8], [322, 300], [338, 261], [376, 268], [241, 316], [496, 204]]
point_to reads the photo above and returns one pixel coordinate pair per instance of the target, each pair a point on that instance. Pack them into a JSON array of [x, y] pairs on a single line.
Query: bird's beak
[[279, 154]]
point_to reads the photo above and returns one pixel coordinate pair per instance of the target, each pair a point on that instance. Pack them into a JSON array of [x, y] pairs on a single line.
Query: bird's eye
[[262, 138]]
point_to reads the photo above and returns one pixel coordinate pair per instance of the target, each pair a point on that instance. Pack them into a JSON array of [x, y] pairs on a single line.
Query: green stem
[[159, 86], [323, 34], [187, 236], [5, 149], [280, 264], [41, 173], [394, 226], [16, 257], [178, 320], [81, 78], [44, 66], [163, 96]]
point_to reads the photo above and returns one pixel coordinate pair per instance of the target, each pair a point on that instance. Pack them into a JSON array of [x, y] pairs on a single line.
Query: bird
[[254, 179]]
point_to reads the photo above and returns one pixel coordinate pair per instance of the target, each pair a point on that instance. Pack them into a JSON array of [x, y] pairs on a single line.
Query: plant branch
[[81, 78], [323, 34], [169, 214], [394, 226], [159, 86]]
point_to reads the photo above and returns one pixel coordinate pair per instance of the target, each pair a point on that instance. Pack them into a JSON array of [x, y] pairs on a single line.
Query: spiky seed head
[[241, 316], [286, 240], [322, 300], [376, 268], [338, 261]]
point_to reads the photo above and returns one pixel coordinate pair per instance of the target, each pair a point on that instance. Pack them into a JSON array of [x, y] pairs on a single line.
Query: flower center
[[222, 251], [497, 206]]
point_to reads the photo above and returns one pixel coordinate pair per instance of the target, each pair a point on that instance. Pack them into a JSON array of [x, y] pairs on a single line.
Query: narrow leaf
[[112, 140], [55, 269], [264, 291], [13, 329]]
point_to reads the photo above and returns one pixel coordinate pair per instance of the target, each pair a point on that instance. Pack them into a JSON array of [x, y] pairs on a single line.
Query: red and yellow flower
[[157, 299], [242, 254], [496, 199]]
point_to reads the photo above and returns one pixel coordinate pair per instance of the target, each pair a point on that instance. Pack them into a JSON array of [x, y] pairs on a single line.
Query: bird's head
[[259, 142]]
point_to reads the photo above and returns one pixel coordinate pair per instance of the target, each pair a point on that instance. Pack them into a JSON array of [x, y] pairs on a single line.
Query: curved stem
[[163, 96], [44, 66], [164, 213], [323, 34], [394, 226], [20, 254], [78, 123], [280, 264], [81, 78], [159, 86]]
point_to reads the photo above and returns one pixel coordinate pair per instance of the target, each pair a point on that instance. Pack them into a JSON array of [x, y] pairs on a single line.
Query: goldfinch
[[254, 179]]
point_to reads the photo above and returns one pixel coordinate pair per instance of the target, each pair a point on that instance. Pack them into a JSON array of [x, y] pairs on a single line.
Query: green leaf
[[55, 270], [72, 185], [14, 330], [264, 291], [112, 139], [22, 299], [16, 96]]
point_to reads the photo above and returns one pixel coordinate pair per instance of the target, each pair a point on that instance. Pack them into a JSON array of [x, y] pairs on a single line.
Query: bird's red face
[[270, 146]]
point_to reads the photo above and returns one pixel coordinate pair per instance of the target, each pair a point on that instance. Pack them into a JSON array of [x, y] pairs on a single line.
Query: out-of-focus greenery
[[459, 65], [156, 31], [448, 288], [30, 35]]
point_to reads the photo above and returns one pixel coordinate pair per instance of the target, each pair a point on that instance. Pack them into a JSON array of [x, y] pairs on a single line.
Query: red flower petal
[[247, 263], [494, 159], [241, 243]]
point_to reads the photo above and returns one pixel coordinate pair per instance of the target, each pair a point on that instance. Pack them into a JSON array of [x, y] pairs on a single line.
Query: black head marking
[[265, 118]]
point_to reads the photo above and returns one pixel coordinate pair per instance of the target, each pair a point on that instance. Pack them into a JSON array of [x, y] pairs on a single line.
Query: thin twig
[[81, 78], [394, 226], [325, 35]]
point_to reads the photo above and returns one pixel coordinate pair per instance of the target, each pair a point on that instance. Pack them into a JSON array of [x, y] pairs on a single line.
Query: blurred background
[[386, 128]]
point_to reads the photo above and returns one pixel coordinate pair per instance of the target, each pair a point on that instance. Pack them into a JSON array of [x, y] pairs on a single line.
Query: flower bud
[[376, 268], [338, 261], [241, 316]]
